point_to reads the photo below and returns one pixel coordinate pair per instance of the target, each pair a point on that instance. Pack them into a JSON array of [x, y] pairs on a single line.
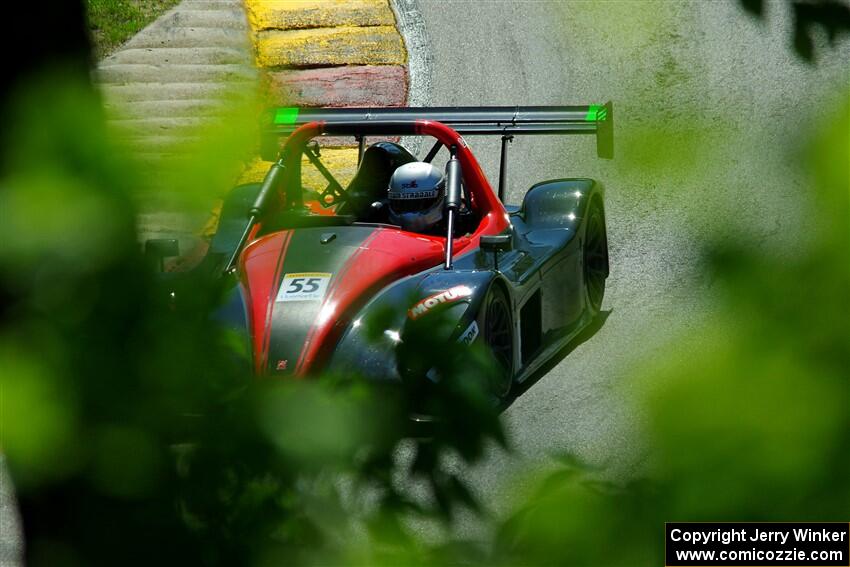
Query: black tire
[[496, 323], [595, 257]]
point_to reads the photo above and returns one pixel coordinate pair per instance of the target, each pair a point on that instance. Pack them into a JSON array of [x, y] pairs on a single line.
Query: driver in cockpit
[[416, 194]]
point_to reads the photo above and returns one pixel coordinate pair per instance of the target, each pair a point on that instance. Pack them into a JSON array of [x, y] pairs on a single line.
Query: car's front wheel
[[496, 323], [595, 256]]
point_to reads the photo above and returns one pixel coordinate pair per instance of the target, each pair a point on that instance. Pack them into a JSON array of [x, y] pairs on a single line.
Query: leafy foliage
[[830, 16], [131, 413]]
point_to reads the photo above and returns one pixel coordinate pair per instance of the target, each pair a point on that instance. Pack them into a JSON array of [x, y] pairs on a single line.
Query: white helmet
[[417, 191]]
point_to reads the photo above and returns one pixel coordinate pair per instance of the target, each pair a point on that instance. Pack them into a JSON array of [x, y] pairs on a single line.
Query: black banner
[[810, 544]]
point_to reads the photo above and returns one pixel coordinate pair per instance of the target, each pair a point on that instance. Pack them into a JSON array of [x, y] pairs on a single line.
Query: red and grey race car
[[311, 265]]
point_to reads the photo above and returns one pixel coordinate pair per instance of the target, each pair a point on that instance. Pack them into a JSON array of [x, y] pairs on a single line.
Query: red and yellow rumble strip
[[327, 53]]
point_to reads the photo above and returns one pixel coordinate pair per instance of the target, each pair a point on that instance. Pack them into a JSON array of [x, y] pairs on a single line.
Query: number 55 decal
[[304, 286]]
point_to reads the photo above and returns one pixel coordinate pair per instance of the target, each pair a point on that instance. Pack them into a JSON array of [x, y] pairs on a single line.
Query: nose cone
[[304, 287]]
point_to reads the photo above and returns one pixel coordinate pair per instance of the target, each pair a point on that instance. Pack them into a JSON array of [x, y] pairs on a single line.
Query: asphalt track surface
[[734, 100]]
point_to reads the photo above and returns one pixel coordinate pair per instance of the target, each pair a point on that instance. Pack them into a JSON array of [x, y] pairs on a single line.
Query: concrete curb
[[172, 75], [320, 47], [328, 54], [333, 40], [303, 14]]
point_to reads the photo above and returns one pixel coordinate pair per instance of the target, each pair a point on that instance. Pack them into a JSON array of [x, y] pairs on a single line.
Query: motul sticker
[[448, 296], [469, 335], [303, 286]]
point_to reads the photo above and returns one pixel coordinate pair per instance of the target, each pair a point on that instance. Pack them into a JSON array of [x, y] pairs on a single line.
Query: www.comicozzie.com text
[[780, 536]]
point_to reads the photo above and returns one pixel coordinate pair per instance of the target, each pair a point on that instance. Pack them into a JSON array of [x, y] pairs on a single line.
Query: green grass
[[112, 22]]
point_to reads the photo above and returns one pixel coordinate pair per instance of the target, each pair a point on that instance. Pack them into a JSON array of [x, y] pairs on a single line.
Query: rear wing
[[466, 120]]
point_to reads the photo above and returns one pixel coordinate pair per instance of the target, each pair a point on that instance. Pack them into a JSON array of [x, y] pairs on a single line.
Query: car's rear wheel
[[595, 257], [497, 330]]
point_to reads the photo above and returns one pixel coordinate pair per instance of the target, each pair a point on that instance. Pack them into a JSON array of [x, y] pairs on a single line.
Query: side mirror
[[496, 243], [158, 249]]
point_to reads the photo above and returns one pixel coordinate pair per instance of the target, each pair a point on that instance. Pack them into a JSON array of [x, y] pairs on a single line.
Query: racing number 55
[[295, 286], [304, 286]]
